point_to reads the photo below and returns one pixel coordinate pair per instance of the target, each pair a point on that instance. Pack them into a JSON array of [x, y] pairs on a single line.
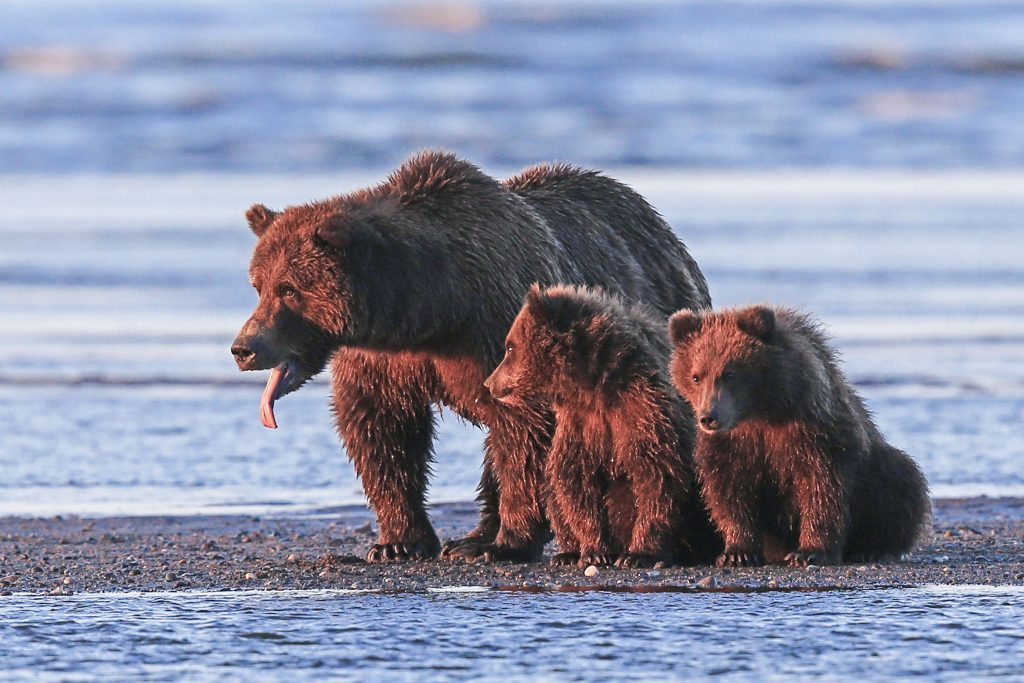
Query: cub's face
[[718, 365], [522, 373]]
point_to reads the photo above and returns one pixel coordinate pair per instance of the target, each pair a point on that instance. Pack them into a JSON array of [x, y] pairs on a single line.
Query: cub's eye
[[509, 348], [696, 379], [287, 292]]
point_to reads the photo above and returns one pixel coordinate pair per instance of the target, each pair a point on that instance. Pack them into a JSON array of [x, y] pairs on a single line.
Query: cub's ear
[[536, 301], [260, 218], [553, 308], [683, 325], [757, 321]]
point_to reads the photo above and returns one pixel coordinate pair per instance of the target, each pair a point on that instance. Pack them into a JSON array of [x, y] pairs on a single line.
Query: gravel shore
[[973, 541]]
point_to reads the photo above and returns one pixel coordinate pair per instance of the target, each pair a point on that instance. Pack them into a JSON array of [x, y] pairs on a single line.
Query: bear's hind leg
[[891, 507], [517, 443]]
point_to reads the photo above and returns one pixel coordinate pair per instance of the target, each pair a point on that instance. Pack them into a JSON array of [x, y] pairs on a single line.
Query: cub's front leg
[[577, 494], [732, 483]]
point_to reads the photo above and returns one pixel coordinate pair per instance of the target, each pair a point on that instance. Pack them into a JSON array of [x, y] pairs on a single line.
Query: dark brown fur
[[620, 472], [794, 468], [409, 288]]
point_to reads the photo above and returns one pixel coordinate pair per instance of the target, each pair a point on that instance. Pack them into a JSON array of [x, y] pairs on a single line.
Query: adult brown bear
[[409, 287]]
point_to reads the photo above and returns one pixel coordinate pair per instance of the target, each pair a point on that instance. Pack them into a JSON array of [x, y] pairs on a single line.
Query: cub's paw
[[565, 559], [597, 558], [733, 557], [805, 558], [636, 560], [401, 552]]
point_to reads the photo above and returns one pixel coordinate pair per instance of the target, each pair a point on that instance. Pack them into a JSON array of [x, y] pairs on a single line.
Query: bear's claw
[[739, 559], [451, 549], [805, 558], [635, 560], [401, 552], [492, 552], [565, 559], [597, 559]]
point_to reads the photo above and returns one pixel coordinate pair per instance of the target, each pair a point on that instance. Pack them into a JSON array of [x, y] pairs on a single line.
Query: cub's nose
[[709, 421]]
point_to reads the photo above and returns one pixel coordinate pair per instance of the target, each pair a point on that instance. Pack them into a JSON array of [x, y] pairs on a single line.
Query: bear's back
[[612, 238]]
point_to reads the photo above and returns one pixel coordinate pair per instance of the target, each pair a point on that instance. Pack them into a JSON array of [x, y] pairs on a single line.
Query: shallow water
[[942, 633], [120, 394], [120, 291]]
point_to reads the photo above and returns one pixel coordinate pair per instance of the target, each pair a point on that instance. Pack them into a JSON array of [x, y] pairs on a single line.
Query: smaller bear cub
[[793, 467], [621, 485]]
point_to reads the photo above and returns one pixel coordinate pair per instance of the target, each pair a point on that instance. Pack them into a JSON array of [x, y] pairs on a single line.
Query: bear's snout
[[709, 422], [497, 389], [249, 353]]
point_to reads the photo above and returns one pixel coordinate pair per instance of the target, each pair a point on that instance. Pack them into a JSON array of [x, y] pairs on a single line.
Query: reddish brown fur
[[792, 464], [620, 474], [409, 287]]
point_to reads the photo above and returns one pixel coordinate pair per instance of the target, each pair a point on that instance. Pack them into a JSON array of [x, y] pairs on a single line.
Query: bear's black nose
[[709, 421], [244, 355]]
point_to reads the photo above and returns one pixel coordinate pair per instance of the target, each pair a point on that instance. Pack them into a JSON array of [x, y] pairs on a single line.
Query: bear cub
[[620, 478], [793, 467]]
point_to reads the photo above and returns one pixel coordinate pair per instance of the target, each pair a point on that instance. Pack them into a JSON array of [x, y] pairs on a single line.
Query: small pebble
[[653, 575], [170, 576], [68, 581], [293, 558], [708, 582], [591, 571], [249, 576], [773, 584]]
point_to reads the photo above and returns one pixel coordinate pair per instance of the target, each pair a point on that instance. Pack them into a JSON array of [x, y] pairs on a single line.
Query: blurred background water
[[863, 160], [251, 85]]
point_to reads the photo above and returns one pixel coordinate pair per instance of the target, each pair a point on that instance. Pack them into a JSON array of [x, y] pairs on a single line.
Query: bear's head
[[724, 364], [303, 303], [570, 342], [343, 271]]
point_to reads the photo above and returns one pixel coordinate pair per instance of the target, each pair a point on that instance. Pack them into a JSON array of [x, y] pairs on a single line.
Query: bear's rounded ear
[[757, 321], [536, 302], [333, 233], [260, 218], [683, 325]]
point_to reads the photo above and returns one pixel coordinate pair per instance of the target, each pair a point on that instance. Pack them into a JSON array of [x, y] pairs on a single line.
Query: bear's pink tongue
[[270, 394]]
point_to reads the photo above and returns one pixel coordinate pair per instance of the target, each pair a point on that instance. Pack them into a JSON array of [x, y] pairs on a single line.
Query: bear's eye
[[287, 292], [696, 379], [509, 348]]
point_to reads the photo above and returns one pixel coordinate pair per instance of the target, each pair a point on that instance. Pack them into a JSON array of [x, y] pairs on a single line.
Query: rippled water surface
[[258, 85], [120, 395], [938, 633]]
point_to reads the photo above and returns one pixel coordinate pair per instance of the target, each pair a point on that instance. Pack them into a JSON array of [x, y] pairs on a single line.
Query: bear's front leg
[[385, 420], [565, 535], [517, 443], [731, 489], [824, 513]]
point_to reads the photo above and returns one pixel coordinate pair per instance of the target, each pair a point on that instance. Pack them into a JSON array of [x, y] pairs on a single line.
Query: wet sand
[[973, 541]]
